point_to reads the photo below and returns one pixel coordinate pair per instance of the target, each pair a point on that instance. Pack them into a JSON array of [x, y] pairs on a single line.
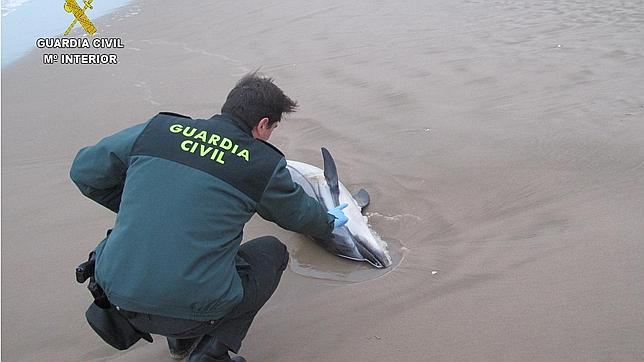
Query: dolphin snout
[[374, 256]]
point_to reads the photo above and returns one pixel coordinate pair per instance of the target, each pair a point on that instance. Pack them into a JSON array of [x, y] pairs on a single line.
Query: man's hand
[[340, 217]]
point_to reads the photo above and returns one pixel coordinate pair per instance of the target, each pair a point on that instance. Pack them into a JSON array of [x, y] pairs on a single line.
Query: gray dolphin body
[[354, 240]]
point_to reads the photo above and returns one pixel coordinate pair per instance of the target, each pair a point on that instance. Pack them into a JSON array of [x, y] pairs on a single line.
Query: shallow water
[[312, 261]]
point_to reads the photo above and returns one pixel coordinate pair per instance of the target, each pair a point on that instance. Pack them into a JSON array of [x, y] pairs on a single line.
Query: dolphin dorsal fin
[[331, 176]]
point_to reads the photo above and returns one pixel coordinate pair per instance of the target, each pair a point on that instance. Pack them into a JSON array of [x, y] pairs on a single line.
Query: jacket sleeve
[[99, 170], [285, 203]]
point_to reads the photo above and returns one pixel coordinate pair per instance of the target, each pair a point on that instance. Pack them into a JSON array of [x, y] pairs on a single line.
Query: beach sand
[[502, 144]]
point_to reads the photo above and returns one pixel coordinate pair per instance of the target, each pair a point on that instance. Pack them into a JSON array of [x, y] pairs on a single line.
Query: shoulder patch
[[271, 146], [174, 114]]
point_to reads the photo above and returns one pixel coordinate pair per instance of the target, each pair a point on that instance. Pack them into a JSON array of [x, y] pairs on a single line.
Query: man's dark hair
[[255, 97]]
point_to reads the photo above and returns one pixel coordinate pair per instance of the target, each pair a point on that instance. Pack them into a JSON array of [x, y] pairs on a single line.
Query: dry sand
[[502, 143]]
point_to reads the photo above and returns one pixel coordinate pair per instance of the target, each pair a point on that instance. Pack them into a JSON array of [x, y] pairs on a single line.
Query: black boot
[[181, 348], [209, 350]]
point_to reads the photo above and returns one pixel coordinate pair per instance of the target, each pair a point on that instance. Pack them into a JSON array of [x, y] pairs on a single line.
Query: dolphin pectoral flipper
[[362, 198], [331, 176]]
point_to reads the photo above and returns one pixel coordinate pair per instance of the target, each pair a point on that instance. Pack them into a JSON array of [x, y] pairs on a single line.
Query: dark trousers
[[266, 259]]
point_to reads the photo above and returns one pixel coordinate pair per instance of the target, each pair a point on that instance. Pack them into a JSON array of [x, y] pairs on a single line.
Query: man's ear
[[263, 123], [260, 128]]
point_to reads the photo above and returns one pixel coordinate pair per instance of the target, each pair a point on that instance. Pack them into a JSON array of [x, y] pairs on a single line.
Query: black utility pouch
[[102, 316], [113, 327]]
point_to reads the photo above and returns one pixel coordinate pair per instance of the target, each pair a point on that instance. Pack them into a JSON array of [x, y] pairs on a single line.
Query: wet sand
[[502, 144]]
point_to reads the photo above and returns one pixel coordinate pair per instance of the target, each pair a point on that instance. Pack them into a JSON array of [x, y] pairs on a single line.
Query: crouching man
[[183, 189]]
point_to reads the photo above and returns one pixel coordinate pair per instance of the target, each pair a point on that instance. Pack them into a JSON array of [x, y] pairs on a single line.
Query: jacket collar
[[229, 118]]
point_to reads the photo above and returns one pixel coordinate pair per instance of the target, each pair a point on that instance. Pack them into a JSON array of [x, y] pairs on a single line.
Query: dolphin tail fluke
[[362, 197], [331, 176]]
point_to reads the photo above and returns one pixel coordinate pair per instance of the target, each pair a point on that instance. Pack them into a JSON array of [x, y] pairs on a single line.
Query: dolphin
[[354, 240]]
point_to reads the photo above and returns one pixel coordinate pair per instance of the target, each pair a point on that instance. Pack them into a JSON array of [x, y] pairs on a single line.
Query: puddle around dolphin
[[310, 260]]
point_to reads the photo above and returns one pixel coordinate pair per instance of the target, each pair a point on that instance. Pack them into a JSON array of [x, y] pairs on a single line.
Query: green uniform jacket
[[183, 190]]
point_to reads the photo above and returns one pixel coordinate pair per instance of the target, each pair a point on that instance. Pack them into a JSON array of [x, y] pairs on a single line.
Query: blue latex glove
[[340, 217]]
